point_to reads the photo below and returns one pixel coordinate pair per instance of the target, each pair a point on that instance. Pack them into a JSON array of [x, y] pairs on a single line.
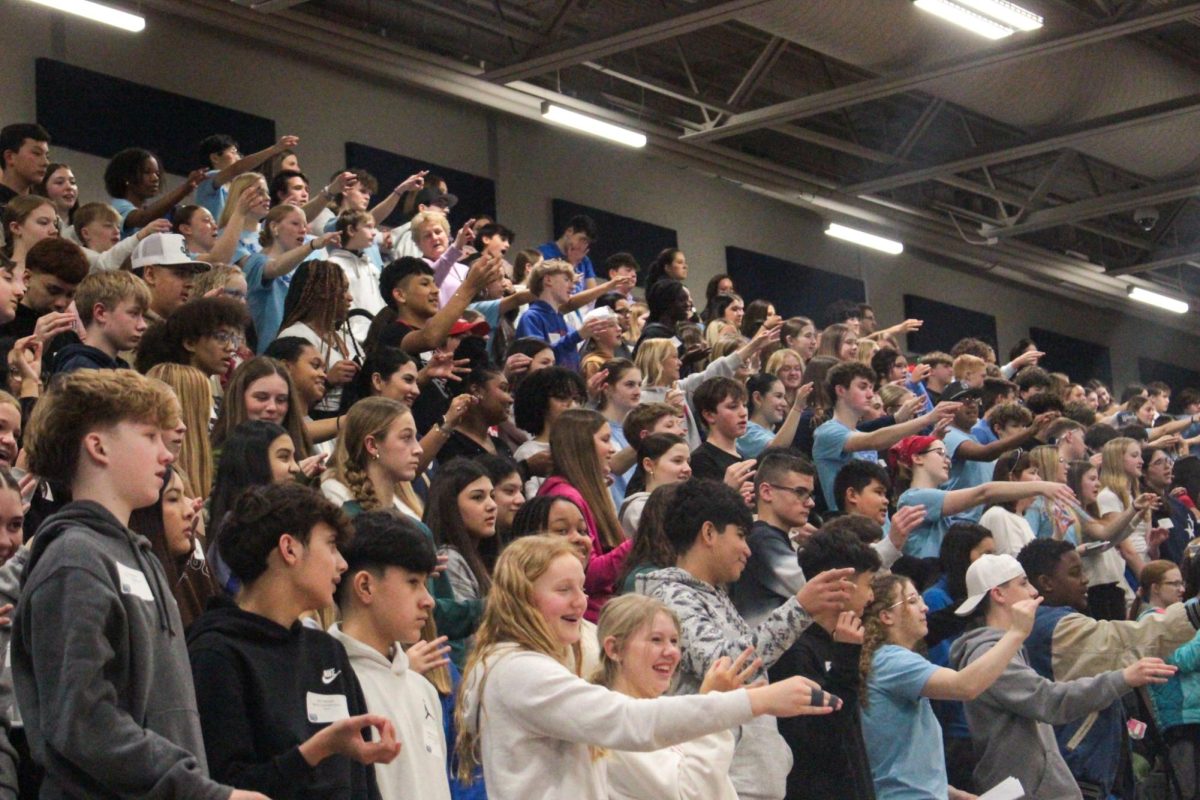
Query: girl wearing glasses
[[924, 462], [1158, 474], [903, 738]]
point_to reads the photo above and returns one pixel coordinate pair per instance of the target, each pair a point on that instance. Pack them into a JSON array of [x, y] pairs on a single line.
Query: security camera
[[1146, 218]]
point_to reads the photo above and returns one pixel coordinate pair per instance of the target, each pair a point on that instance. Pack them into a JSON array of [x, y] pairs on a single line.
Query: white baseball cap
[[167, 250], [985, 574]]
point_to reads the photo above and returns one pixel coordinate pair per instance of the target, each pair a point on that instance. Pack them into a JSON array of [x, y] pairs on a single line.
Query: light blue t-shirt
[[983, 432], [1040, 519], [210, 195], [926, 540], [829, 442], [754, 440], [491, 314], [903, 738], [265, 299], [124, 209], [965, 474], [619, 482]]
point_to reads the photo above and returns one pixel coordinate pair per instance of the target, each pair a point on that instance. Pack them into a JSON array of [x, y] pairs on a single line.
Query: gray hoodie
[[1011, 721], [711, 628], [10, 590], [101, 667]]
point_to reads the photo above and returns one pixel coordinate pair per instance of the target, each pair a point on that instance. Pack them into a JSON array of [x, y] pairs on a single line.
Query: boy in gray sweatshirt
[[1011, 721], [98, 656], [708, 534]]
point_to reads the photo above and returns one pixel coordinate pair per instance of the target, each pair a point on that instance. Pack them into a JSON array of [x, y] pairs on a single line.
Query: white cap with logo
[[167, 250], [988, 572]]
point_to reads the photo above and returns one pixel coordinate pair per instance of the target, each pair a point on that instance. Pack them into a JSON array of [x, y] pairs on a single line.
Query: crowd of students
[[385, 514]]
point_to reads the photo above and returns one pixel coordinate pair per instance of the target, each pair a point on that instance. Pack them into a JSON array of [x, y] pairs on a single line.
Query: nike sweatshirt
[[263, 690]]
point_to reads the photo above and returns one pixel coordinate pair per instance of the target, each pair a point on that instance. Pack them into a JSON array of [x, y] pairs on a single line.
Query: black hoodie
[[100, 666], [82, 356], [263, 690]]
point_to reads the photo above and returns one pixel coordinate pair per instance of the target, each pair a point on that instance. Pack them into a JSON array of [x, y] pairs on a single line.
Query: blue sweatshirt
[[542, 321]]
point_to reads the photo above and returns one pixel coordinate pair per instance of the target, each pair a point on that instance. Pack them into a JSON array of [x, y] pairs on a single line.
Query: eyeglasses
[[800, 492], [1177, 584], [911, 599], [234, 293], [941, 451], [227, 339]]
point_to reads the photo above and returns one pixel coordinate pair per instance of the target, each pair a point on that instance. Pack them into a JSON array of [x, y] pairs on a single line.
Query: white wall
[[531, 164]]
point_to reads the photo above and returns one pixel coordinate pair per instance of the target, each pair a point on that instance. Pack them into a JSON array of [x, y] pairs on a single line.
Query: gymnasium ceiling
[[1026, 157]]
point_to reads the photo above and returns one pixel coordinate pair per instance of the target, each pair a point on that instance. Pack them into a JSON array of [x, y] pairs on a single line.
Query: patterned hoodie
[[712, 628]]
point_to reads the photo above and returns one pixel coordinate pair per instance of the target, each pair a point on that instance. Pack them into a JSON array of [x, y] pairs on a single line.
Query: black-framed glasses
[[800, 492]]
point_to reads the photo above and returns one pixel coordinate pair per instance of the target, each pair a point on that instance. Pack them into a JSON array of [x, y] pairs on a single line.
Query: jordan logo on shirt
[[329, 676]]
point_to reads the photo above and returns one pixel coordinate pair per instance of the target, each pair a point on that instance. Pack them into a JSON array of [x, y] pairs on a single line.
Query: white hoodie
[[412, 704], [695, 770], [537, 719]]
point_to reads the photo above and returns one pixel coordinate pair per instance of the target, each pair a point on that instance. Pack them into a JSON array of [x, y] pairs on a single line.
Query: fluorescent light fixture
[[97, 12], [593, 126], [965, 18], [865, 239], [1158, 300], [1005, 13]]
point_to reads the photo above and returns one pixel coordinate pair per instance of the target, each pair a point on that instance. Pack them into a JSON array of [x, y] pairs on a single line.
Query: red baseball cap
[[462, 328]]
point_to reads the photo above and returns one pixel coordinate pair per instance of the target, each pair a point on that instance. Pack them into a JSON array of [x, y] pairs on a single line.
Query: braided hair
[[371, 416], [316, 298]]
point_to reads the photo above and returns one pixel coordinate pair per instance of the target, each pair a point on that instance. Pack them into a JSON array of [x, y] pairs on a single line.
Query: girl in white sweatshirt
[[639, 641], [535, 725]]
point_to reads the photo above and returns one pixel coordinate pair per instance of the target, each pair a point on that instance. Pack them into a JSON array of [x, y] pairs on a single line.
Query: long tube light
[[593, 126], [1158, 300], [1005, 13], [965, 18], [98, 12], [847, 234]]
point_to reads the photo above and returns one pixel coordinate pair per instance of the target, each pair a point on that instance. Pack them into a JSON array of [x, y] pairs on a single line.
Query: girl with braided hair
[[377, 455], [316, 309], [903, 737]]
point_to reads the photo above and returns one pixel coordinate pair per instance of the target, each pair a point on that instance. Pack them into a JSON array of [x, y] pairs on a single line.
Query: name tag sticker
[[323, 708], [555, 338], [134, 582]]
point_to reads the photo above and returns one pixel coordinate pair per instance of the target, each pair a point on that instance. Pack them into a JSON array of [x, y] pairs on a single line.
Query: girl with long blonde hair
[[1120, 478], [375, 459], [538, 729], [195, 458], [639, 654]]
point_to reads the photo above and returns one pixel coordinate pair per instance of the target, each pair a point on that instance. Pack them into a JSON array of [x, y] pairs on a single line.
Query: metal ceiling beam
[[273, 5], [1053, 140], [497, 26], [1165, 192], [705, 15], [916, 77], [1170, 259], [840, 145], [758, 70]]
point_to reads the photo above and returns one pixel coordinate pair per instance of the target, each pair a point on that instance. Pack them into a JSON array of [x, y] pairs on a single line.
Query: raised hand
[[153, 226], [1145, 671], [1023, 614], [794, 697], [849, 629], [1147, 500], [919, 373], [738, 473], [443, 364], [466, 234], [459, 407], [423, 657], [909, 408], [726, 674], [905, 521], [827, 591], [412, 183]]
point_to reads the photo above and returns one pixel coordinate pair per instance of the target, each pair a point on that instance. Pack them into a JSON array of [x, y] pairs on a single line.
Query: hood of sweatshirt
[[971, 640], [223, 617], [100, 522]]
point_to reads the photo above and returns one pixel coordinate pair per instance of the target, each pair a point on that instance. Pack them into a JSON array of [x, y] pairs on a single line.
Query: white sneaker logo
[[329, 676]]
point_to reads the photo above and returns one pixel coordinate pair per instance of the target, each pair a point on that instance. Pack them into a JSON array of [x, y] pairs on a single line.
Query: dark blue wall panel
[[794, 289]]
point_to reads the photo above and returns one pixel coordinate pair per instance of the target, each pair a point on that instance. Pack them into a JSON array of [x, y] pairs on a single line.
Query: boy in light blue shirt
[[837, 440], [220, 152]]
